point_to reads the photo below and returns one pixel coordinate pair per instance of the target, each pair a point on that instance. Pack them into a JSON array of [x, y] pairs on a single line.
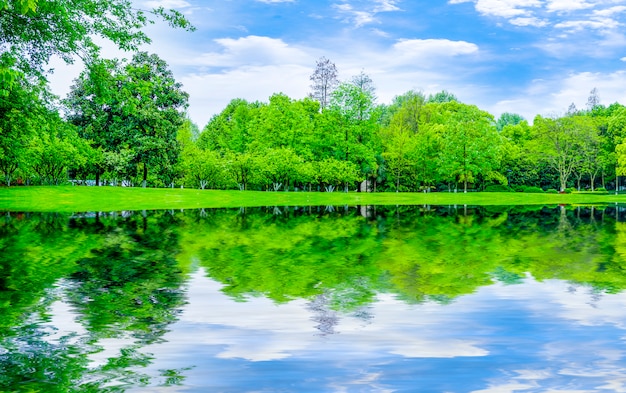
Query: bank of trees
[[124, 123]]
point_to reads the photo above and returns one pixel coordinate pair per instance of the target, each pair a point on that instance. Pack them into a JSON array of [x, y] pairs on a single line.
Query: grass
[[80, 199]]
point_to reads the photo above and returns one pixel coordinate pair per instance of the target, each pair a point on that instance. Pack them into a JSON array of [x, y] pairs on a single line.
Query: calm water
[[330, 299]]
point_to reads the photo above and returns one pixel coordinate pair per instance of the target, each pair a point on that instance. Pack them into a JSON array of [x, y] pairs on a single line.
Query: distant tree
[[572, 110], [365, 83], [508, 119], [441, 97], [324, 81], [593, 101], [558, 143]]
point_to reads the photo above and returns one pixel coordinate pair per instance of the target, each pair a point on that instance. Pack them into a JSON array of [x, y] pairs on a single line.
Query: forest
[[124, 123]]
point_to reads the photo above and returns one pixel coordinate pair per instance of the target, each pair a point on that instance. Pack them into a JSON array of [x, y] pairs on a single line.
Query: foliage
[[131, 111], [32, 31]]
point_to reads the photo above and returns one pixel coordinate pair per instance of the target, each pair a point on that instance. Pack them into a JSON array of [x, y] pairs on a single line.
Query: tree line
[[124, 123]]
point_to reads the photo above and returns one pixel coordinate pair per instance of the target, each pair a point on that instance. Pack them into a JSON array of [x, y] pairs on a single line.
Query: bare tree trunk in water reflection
[[326, 318]]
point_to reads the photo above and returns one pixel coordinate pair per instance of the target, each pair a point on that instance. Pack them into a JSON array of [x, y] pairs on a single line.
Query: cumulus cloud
[[567, 5], [251, 50], [553, 95], [425, 49], [507, 8], [365, 14], [529, 21]]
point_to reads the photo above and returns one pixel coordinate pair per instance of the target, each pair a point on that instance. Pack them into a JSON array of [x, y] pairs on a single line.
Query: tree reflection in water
[[123, 275]]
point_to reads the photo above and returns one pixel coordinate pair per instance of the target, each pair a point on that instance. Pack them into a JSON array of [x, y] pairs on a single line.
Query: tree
[[354, 106], [442, 97], [230, 130], [557, 142], [324, 80], [21, 111], [32, 31], [91, 107], [470, 144], [154, 110], [137, 106], [507, 119], [593, 101]]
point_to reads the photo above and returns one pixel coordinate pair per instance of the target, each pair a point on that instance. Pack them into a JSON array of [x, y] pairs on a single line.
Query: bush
[[552, 191], [497, 188], [601, 189], [532, 189], [570, 190], [517, 188]]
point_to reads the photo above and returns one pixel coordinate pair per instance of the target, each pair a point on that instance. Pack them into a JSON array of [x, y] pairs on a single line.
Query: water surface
[[345, 299]]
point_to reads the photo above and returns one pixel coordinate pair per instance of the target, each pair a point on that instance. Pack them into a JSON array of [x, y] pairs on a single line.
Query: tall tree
[[558, 143], [137, 106], [154, 108], [324, 80], [594, 100], [470, 144]]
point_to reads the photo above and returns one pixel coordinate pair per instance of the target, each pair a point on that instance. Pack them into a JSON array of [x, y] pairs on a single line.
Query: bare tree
[[324, 81], [365, 83], [593, 99]]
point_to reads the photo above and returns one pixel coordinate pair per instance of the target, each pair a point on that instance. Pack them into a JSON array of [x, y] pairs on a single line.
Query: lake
[[315, 299]]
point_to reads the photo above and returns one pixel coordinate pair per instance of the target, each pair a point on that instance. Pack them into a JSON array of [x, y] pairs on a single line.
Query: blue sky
[[524, 56]]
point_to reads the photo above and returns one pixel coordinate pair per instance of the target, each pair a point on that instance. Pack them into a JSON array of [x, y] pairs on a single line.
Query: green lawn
[[72, 199]]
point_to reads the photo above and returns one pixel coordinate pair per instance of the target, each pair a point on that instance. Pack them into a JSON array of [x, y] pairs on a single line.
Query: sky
[[501, 339], [531, 57]]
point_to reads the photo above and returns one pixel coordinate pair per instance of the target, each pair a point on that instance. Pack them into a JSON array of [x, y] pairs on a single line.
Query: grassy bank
[[73, 199]]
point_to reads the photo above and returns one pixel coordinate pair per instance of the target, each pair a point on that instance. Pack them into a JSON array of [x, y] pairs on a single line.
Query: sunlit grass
[[72, 199]]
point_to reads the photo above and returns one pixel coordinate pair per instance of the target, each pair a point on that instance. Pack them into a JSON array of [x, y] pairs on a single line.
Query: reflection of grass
[[118, 198]]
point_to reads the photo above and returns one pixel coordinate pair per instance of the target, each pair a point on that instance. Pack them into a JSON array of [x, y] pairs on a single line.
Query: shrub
[[570, 190], [532, 189], [552, 191], [497, 188], [601, 189]]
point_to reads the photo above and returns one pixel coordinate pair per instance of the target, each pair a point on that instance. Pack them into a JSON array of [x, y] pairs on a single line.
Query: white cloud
[[567, 5], [251, 50], [367, 13], [507, 8], [275, 1], [385, 6], [594, 24], [254, 67], [553, 96], [211, 92], [259, 330], [425, 49], [529, 21], [610, 11]]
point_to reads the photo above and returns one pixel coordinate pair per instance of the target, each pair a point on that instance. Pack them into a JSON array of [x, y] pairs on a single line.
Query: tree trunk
[[97, 178], [465, 185], [145, 175]]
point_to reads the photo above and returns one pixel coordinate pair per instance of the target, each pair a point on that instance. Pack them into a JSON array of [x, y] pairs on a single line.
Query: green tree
[[558, 142], [20, 114], [508, 119], [32, 31], [153, 106], [470, 144], [138, 106]]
